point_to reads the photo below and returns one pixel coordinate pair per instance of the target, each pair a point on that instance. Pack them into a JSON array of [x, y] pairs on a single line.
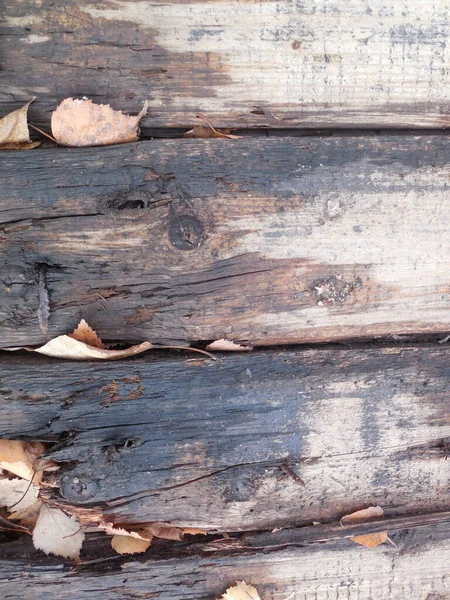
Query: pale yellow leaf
[[371, 540], [362, 516], [241, 591], [57, 533], [18, 494], [20, 458], [124, 544], [64, 346], [164, 531], [137, 532], [14, 134], [223, 345], [83, 123]]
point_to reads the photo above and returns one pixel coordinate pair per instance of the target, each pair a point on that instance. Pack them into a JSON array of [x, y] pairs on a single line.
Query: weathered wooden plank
[[200, 443], [415, 568], [245, 63], [268, 240]]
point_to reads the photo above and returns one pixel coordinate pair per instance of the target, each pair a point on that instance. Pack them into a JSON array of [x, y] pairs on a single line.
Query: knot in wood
[[78, 490], [186, 232]]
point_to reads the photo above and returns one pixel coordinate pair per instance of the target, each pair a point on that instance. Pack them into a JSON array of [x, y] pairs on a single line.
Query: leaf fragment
[[137, 532], [164, 531], [223, 345], [64, 346], [241, 591], [57, 533], [194, 531], [17, 494], [363, 516], [83, 123], [371, 540], [14, 134], [84, 333], [124, 544], [208, 131], [20, 458]]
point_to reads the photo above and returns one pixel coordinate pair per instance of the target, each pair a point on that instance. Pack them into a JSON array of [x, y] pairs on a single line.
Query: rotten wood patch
[[260, 242]]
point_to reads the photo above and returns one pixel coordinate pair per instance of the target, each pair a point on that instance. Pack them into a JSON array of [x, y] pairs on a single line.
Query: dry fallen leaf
[[241, 591], [164, 531], [84, 333], [18, 495], [20, 458], [57, 533], [194, 531], [371, 540], [14, 134], [138, 532], [64, 346], [124, 544], [83, 123], [363, 516], [208, 131], [223, 345], [72, 347]]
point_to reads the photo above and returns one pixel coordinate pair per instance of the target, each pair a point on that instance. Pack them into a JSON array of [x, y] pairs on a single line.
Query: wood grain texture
[[415, 568], [243, 63], [267, 241], [201, 443]]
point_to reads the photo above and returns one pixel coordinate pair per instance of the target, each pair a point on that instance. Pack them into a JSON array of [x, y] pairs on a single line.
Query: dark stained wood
[[244, 63], [415, 565], [201, 443], [266, 240]]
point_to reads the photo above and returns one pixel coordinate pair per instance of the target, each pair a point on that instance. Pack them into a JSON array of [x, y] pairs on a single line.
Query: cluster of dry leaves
[[82, 123], [25, 477]]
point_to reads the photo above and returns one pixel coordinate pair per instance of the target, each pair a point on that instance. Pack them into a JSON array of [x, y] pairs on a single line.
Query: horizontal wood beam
[[414, 565], [265, 241], [206, 444], [244, 63]]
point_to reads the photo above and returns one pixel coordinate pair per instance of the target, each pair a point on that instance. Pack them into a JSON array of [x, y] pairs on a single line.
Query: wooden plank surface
[[416, 567], [264, 240], [246, 63], [203, 444]]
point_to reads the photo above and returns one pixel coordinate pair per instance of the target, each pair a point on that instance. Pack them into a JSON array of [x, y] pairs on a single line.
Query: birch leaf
[[14, 134], [363, 516], [20, 458], [241, 591], [57, 533], [124, 544], [84, 344], [208, 131], [84, 333], [83, 123], [223, 345], [138, 533], [371, 540], [17, 493]]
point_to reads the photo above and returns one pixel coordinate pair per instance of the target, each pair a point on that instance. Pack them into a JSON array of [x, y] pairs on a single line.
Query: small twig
[[43, 133], [287, 469]]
